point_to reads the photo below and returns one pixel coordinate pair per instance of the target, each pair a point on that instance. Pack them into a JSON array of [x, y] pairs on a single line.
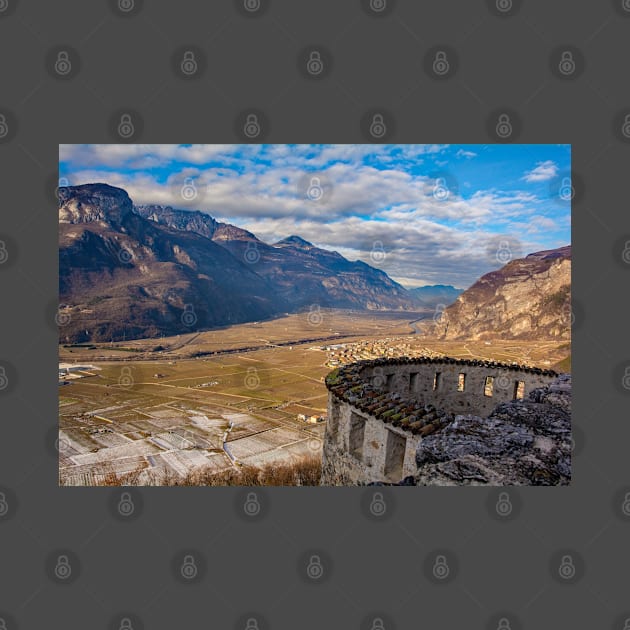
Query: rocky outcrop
[[525, 442], [527, 298], [94, 203]]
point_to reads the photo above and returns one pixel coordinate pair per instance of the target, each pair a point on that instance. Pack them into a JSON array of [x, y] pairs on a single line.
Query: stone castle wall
[[379, 411]]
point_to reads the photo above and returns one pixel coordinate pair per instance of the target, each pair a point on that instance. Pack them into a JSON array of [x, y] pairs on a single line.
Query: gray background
[[373, 567]]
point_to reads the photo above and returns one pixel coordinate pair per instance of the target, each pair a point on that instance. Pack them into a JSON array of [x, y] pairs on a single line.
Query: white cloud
[[543, 172], [427, 241], [465, 154]]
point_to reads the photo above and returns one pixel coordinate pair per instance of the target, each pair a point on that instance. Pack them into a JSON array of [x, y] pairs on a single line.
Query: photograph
[[314, 315]]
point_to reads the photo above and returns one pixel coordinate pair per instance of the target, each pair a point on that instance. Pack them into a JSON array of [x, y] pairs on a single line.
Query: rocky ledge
[[524, 442]]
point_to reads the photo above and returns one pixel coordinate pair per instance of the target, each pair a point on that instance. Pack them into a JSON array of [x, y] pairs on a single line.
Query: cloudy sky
[[425, 214]]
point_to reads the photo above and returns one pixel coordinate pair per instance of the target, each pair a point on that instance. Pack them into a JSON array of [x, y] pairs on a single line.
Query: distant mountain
[[433, 295], [300, 273], [528, 298], [140, 271]]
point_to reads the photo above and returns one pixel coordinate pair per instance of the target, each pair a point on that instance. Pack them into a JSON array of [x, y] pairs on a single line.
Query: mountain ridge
[[130, 271]]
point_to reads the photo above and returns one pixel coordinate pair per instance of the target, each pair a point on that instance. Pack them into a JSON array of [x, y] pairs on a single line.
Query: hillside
[[528, 298]]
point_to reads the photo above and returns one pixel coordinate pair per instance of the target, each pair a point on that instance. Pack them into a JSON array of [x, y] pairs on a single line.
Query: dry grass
[[304, 472]]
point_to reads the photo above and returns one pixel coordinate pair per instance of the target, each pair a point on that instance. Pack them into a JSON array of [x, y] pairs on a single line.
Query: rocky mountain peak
[[91, 203], [294, 241]]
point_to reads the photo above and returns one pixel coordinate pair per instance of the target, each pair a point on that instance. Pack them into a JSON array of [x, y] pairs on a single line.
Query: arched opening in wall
[[394, 455], [488, 386], [388, 381], [461, 382], [519, 390], [356, 436]]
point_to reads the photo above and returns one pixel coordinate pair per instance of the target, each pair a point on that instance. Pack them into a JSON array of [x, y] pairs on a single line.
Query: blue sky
[[435, 214]]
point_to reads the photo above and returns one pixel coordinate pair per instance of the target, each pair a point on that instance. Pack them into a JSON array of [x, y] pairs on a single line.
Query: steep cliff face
[[528, 298]]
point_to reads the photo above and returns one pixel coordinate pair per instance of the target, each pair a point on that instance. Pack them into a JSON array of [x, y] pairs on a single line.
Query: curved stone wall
[[379, 411]]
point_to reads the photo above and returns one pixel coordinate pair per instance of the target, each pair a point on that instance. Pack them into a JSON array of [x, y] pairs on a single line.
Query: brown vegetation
[[303, 472]]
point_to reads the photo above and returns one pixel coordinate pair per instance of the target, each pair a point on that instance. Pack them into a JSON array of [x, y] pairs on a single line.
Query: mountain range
[[130, 271]]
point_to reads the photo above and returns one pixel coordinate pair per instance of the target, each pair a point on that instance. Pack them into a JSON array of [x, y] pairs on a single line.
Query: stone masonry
[[380, 411]]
